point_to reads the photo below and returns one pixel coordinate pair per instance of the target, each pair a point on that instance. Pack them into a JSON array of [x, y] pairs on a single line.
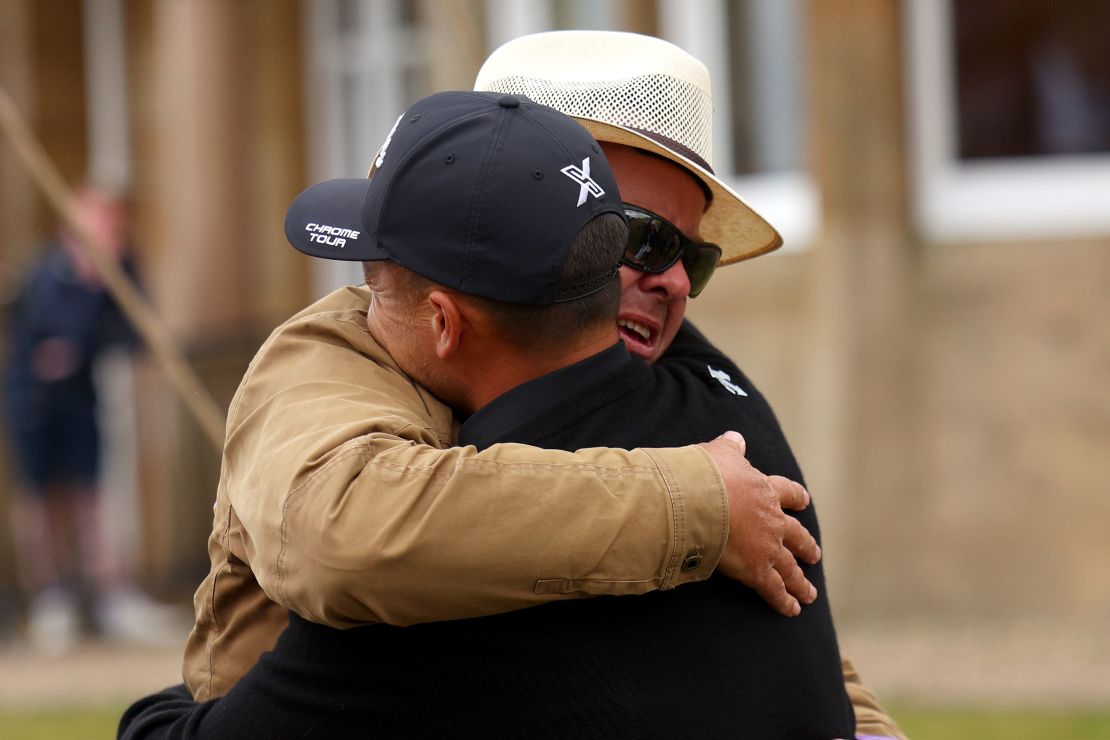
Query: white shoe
[[53, 624], [131, 616]]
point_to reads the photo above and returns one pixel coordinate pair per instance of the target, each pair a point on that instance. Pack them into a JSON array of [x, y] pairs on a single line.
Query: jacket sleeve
[[171, 714], [356, 511], [871, 719]]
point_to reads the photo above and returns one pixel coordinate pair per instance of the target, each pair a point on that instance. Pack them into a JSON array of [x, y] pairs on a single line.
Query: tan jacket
[[341, 498]]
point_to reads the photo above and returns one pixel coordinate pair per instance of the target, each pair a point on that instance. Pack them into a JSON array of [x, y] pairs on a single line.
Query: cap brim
[[729, 222], [326, 221]]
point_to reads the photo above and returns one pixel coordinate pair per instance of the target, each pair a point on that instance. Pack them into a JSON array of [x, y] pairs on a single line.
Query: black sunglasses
[[654, 244]]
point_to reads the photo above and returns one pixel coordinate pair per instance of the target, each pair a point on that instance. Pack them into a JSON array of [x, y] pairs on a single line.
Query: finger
[[773, 590], [737, 439], [797, 539], [792, 495], [793, 578]]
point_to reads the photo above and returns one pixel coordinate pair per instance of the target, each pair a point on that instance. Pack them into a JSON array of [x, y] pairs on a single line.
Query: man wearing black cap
[[503, 303], [337, 499]]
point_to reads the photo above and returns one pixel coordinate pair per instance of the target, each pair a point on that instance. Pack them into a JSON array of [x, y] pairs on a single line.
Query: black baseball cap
[[477, 191]]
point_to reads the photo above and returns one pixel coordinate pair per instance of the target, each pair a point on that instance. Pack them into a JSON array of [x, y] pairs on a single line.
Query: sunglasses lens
[[653, 245], [700, 261]]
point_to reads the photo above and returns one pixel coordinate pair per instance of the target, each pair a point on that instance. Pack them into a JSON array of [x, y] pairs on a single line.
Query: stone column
[[221, 141], [861, 389], [198, 266]]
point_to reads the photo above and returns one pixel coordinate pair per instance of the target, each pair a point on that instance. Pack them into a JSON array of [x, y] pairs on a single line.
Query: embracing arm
[[354, 511], [392, 530], [339, 498]]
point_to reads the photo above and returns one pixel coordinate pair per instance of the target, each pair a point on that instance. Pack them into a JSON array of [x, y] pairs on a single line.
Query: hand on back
[[763, 541]]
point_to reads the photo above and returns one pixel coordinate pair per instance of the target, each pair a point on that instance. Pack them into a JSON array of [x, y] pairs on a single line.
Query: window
[[1010, 118], [368, 60], [1032, 78], [754, 52], [366, 65]]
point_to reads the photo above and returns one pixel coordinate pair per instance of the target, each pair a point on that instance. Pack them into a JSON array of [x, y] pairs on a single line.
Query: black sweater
[[703, 660]]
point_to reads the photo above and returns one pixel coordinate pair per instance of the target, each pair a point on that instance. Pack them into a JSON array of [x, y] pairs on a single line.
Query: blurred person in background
[[62, 322]]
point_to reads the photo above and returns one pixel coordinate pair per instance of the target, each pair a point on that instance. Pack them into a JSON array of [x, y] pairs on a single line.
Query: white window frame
[[1019, 199], [376, 52], [789, 200], [109, 167], [109, 158]]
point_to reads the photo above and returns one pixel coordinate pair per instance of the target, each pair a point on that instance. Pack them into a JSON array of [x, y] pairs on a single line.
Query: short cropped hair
[[596, 248]]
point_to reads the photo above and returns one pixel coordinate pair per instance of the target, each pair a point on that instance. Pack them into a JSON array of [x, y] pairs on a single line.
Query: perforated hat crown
[[480, 192], [640, 91]]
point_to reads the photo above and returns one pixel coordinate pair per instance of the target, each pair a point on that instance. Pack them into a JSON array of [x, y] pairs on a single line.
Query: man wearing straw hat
[[649, 104]]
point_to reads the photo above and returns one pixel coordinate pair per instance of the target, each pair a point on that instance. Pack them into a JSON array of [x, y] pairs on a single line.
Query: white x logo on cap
[[582, 177]]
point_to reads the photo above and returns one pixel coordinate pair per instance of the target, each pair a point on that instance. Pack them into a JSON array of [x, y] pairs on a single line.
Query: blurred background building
[[934, 334]]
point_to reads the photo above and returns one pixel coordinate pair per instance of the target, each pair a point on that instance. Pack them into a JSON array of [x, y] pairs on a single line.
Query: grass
[[918, 722], [94, 723], [960, 723]]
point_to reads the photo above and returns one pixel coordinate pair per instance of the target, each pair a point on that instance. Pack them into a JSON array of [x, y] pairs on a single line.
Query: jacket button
[[691, 562]]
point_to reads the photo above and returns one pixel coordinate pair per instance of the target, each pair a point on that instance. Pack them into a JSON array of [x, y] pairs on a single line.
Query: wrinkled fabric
[[341, 499]]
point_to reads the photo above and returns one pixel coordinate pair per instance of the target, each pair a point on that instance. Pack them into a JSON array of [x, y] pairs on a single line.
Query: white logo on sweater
[[724, 379]]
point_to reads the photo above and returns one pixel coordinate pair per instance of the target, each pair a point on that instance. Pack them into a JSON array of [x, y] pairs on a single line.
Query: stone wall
[[985, 521]]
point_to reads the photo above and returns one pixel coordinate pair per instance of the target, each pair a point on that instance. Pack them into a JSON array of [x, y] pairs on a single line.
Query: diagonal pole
[[134, 305]]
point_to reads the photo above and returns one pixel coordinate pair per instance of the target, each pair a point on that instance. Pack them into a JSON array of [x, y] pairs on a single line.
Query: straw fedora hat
[[640, 91]]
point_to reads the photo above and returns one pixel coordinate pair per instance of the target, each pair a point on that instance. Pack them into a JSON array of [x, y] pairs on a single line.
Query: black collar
[[526, 401]]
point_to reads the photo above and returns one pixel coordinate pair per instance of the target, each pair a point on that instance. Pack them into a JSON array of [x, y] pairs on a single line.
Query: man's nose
[[670, 285]]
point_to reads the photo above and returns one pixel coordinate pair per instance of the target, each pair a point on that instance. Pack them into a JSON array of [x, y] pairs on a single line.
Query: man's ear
[[447, 323]]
